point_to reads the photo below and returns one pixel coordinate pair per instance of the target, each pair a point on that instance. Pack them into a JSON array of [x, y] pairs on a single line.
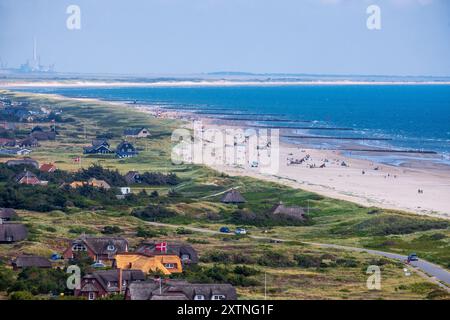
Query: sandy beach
[[385, 186]]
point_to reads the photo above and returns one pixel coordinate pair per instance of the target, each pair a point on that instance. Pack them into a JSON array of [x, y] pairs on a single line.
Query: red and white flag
[[77, 159], [162, 246]]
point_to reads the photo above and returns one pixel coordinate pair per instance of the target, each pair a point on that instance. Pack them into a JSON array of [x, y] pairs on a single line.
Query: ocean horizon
[[390, 117]]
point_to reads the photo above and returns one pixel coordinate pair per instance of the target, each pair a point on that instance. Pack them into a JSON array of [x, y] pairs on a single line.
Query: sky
[[145, 37]]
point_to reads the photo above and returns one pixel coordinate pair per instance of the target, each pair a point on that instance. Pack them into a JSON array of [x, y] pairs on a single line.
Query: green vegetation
[[189, 195]]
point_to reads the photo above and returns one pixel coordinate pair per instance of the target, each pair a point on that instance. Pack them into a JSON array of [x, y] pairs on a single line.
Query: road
[[426, 269]]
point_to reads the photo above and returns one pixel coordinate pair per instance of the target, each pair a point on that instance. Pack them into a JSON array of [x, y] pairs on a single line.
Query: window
[[218, 297], [199, 297], [185, 257], [91, 296], [169, 265], [111, 247], [79, 247], [9, 239]]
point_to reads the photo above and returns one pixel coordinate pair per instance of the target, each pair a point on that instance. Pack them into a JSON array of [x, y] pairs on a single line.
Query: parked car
[[224, 230], [240, 231], [413, 257], [98, 264]]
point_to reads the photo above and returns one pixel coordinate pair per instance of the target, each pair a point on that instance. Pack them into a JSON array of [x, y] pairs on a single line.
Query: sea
[[412, 118]]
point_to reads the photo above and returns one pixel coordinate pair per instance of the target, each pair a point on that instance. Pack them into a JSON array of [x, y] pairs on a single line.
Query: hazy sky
[[193, 36]]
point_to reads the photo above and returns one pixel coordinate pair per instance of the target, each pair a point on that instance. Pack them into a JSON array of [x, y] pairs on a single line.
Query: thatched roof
[[111, 277], [178, 290], [178, 249], [99, 245], [23, 162], [7, 213], [281, 209], [11, 232], [31, 261], [233, 196]]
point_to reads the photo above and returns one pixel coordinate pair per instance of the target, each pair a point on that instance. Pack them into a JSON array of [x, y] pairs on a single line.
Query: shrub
[[275, 259], [111, 230]]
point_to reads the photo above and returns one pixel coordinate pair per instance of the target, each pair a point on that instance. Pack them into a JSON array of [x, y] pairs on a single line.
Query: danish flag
[[162, 246]]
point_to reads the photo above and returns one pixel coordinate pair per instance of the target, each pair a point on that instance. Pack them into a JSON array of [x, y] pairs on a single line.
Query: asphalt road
[[427, 269]]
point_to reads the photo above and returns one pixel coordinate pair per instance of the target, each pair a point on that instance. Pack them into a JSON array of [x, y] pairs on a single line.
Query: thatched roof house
[[185, 252], [233, 197], [103, 283], [23, 162], [179, 290], [31, 261], [294, 211], [6, 214], [98, 248], [12, 232]]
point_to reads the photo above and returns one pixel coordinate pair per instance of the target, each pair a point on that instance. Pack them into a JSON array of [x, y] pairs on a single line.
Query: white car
[[240, 231]]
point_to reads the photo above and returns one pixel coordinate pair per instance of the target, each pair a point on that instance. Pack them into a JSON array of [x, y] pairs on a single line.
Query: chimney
[[120, 280]]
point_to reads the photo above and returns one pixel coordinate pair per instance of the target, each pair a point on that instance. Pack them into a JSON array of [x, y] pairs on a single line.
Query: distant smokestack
[[34, 49]]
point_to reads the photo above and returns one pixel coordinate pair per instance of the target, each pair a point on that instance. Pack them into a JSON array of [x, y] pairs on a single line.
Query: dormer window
[[185, 257], [199, 297], [111, 247], [79, 247]]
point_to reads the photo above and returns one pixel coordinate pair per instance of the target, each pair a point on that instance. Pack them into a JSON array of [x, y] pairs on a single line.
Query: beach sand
[[385, 186]]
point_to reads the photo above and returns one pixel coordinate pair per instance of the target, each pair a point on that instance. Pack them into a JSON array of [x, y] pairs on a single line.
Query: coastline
[[381, 185], [384, 186], [208, 83]]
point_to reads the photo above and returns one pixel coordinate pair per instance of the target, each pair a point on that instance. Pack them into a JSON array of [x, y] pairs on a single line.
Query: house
[[166, 264], [125, 190], [31, 261], [132, 177], [99, 183], [7, 214], [98, 147], [91, 182], [281, 209], [37, 129], [136, 133], [5, 142], [179, 290], [43, 135], [12, 232], [28, 178], [185, 252], [16, 151], [98, 248], [29, 142], [74, 184], [47, 167], [126, 150], [23, 162], [233, 197], [100, 284]]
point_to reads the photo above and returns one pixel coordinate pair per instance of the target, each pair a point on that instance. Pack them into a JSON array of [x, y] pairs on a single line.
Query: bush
[[307, 261], [111, 230], [153, 213], [182, 231], [146, 233], [275, 259], [21, 295]]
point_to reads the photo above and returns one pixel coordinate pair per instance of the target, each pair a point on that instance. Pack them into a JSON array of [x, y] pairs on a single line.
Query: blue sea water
[[413, 116]]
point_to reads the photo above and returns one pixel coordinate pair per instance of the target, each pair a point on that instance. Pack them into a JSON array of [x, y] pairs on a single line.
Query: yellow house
[[167, 264], [77, 184]]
